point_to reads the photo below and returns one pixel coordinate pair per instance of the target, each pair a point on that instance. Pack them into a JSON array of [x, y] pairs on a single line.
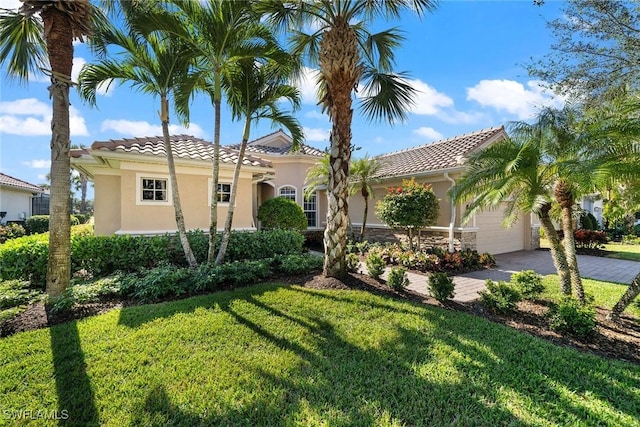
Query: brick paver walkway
[[468, 285]]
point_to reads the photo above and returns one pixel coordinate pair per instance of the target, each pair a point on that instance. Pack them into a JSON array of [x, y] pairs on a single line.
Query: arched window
[[288, 191]]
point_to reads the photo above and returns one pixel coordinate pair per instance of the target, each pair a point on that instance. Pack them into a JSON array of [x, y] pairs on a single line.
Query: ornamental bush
[[283, 213], [441, 286], [590, 239], [11, 231], [500, 297], [375, 265], [398, 279], [37, 224], [571, 317], [411, 206], [529, 283]]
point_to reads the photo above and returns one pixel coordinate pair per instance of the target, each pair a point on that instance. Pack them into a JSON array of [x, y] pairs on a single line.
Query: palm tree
[[256, 92], [152, 63], [42, 32], [317, 177], [222, 33], [514, 172], [363, 172], [348, 54]]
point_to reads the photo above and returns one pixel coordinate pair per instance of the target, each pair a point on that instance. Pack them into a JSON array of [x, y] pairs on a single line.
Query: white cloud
[[38, 164], [453, 116], [315, 114], [142, 128], [315, 134], [513, 97], [32, 117], [428, 101], [428, 132], [11, 4], [307, 85]]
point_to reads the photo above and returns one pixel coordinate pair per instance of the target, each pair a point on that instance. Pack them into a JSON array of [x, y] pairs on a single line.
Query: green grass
[[278, 355], [622, 251], [605, 294]]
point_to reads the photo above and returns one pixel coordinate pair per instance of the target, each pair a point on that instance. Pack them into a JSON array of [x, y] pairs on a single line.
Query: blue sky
[[466, 59]]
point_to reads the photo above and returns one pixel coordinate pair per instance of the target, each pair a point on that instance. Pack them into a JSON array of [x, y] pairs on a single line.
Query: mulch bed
[[619, 340]]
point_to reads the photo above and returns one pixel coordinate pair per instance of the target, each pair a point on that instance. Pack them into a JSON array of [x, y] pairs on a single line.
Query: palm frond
[[22, 45], [386, 96]]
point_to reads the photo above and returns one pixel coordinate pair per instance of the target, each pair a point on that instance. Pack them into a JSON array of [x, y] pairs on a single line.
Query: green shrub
[[162, 281], [571, 317], [398, 279], [37, 224], [87, 292], [245, 273], [83, 218], [11, 231], [352, 263], [441, 286], [25, 258], [298, 264], [14, 293], [375, 265], [74, 220], [281, 212], [500, 297], [528, 283], [590, 239]]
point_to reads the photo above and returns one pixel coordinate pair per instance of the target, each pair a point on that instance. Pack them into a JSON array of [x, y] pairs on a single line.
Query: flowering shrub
[[435, 259], [590, 239]]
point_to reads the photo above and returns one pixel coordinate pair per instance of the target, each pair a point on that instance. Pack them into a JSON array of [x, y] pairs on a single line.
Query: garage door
[[492, 237]]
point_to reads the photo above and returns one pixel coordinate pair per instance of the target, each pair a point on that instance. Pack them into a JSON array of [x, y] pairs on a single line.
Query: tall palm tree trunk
[[632, 292], [60, 50], [339, 60], [557, 250], [175, 194], [213, 214], [84, 182], [226, 234], [565, 199]]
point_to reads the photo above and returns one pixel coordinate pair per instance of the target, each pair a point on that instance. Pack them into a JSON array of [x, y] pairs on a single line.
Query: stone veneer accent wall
[[535, 238], [429, 238]]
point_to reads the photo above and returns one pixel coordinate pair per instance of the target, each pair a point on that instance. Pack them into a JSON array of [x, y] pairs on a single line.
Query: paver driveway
[[468, 285]]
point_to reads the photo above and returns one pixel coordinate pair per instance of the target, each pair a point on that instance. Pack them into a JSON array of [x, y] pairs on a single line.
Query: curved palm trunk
[[60, 49], [632, 292], [213, 214], [557, 250], [364, 217], [226, 234], [565, 199], [177, 207], [339, 65]]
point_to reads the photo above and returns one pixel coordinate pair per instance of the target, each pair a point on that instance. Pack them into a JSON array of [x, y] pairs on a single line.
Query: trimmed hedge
[[25, 258], [40, 223], [282, 213]]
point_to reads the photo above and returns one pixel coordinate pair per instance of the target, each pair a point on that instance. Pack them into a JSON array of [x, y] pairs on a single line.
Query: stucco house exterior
[[132, 194], [17, 199]]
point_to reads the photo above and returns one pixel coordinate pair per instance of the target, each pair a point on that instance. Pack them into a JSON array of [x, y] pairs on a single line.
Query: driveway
[[468, 285]]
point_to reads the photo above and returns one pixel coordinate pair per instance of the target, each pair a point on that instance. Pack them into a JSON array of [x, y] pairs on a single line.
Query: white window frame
[[315, 211], [210, 186], [288, 196], [139, 189]]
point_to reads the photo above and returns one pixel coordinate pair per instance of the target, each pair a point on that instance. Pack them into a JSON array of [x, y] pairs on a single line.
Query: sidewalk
[[468, 285]]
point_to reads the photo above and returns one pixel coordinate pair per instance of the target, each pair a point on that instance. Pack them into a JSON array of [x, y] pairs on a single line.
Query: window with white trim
[[224, 193], [153, 189], [288, 192], [310, 207]]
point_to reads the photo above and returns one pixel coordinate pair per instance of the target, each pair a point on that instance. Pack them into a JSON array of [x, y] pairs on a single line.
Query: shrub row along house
[[132, 193]]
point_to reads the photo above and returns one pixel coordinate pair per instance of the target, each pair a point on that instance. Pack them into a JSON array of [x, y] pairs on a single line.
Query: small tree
[[411, 207], [281, 212]]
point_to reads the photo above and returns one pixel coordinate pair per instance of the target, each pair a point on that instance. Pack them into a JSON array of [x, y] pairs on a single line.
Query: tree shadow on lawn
[[339, 382], [76, 400]]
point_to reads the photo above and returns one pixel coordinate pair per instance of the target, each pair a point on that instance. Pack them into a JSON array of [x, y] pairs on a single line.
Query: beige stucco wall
[[106, 204], [118, 208]]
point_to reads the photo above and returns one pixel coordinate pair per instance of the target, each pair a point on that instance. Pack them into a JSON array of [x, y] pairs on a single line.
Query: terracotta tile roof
[[435, 156], [10, 181], [184, 147], [283, 151]]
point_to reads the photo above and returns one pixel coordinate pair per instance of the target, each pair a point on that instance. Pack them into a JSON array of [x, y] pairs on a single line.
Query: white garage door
[[492, 237]]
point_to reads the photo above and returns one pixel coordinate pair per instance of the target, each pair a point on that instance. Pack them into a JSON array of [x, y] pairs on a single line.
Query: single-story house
[[19, 199], [132, 193]]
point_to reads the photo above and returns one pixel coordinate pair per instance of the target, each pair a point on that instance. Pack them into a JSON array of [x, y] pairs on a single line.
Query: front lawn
[[279, 355], [622, 251]]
